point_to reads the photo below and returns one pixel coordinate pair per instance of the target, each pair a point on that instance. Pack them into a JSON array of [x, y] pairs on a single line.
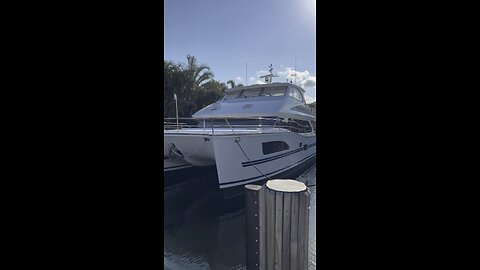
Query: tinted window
[[273, 91], [297, 126], [304, 126], [296, 94], [275, 146], [234, 122], [232, 95]]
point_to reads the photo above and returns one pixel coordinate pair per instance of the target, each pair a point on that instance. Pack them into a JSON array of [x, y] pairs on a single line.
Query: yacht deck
[[224, 131]]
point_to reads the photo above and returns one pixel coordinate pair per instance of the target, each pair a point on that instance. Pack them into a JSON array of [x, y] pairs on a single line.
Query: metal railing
[[262, 123]]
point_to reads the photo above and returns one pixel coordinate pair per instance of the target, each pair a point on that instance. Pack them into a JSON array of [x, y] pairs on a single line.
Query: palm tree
[[215, 85], [233, 85], [172, 84], [194, 85], [196, 76], [213, 91]]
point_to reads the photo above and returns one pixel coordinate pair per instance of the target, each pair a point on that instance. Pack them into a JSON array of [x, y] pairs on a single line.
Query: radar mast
[[268, 77]]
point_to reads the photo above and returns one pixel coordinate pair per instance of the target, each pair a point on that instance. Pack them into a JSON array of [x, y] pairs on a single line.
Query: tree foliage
[[313, 106], [232, 84], [193, 84]]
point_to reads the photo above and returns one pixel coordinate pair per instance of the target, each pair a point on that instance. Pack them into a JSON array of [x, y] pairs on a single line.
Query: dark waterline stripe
[[259, 161], [267, 174], [177, 166]]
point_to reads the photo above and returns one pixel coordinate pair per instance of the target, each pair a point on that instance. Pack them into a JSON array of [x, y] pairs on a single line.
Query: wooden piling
[[277, 219], [269, 227], [253, 225]]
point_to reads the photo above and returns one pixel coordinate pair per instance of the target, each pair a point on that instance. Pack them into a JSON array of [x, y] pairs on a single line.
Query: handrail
[[278, 122]]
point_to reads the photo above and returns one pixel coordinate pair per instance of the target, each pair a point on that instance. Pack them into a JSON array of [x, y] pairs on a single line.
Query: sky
[[228, 35]]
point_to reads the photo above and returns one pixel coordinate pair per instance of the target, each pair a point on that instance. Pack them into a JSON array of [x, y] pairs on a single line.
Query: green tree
[[194, 85], [214, 91], [313, 106], [233, 85], [188, 82], [196, 76], [173, 83]]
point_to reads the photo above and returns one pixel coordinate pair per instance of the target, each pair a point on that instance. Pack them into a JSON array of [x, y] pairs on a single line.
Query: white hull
[[233, 167]]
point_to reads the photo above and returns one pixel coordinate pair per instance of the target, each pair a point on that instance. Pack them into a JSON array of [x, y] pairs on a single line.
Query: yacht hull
[[242, 159], [178, 170], [291, 173], [195, 149]]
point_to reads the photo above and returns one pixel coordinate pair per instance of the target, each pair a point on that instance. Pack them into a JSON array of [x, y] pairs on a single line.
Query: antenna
[[246, 68], [295, 69]]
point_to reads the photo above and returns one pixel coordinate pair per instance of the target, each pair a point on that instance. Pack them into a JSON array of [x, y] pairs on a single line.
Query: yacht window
[[296, 94], [250, 92], [303, 126], [270, 91], [232, 95], [235, 123], [294, 125], [273, 147], [273, 91]]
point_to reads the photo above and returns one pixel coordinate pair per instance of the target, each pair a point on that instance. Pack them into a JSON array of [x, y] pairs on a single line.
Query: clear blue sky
[[226, 34]]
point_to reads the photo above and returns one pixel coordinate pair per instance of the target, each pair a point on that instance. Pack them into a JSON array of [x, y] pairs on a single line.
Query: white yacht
[[253, 134]]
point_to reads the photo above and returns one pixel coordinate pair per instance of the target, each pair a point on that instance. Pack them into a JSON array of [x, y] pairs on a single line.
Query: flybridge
[[283, 100], [269, 84]]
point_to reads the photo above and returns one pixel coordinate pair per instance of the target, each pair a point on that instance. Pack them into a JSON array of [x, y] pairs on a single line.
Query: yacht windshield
[[232, 95], [273, 91], [250, 92], [269, 91]]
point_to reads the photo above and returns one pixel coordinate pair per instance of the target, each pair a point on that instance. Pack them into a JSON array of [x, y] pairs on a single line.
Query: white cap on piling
[[286, 185], [253, 187]]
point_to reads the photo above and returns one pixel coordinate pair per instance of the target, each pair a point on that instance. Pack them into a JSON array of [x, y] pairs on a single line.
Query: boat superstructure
[[252, 134]]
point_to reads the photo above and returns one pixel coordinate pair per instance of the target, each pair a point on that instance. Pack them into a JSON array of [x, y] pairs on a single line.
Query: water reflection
[[202, 230]]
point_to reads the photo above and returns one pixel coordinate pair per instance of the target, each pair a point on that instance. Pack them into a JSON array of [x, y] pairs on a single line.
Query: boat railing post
[[211, 121], [204, 126], [176, 109], [261, 125]]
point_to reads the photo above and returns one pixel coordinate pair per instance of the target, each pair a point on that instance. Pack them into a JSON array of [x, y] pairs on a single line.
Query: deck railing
[[210, 124]]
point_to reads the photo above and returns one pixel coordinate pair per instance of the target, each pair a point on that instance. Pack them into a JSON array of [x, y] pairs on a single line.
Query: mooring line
[[183, 156], [237, 140]]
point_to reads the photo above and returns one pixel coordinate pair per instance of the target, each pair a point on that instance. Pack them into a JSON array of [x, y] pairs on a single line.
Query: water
[[202, 230]]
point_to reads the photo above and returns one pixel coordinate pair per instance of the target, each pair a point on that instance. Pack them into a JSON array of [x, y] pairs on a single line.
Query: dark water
[[202, 230]]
